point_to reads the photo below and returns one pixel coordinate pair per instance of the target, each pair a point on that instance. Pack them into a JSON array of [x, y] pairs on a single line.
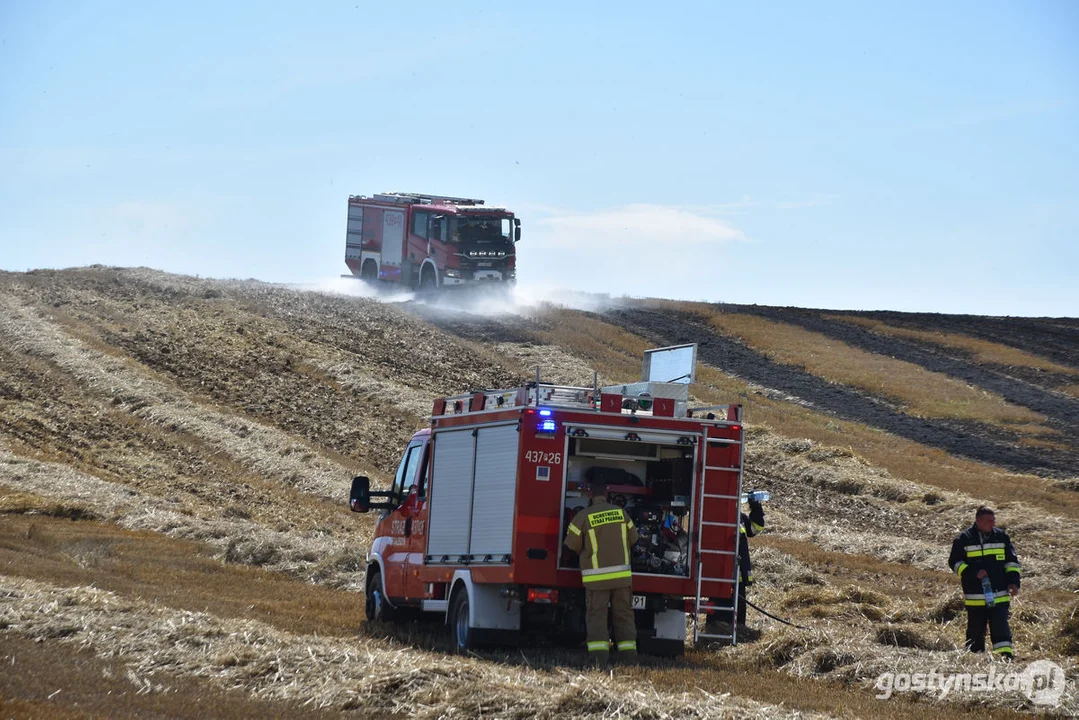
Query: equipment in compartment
[[654, 491], [663, 547]]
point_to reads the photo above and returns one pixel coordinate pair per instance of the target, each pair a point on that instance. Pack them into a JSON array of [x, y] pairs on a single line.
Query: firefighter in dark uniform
[[603, 534], [749, 526], [983, 551]]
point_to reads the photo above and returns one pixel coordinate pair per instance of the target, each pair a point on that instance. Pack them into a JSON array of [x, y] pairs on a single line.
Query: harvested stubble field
[[174, 541]]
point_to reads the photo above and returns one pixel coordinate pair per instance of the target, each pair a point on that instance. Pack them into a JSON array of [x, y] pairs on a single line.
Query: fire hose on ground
[[785, 622]]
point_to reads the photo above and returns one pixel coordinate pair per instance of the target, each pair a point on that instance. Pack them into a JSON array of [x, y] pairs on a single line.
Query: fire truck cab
[[425, 242], [473, 524]]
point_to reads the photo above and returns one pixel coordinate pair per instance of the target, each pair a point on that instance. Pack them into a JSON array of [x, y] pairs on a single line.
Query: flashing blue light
[[548, 426], [545, 413]]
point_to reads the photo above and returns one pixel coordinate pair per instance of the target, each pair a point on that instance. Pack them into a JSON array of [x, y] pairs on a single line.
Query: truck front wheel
[[376, 608], [428, 281], [460, 626]]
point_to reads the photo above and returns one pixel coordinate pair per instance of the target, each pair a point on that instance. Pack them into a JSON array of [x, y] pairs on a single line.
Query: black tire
[[461, 631], [661, 647], [376, 608], [369, 271], [428, 281]]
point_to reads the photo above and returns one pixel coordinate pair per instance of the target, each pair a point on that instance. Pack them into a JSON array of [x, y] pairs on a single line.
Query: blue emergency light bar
[[547, 425]]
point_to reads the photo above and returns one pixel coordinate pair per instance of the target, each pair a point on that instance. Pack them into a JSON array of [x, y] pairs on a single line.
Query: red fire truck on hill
[[430, 241], [473, 524]]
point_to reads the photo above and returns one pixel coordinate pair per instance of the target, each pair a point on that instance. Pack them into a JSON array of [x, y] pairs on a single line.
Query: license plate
[[639, 602]]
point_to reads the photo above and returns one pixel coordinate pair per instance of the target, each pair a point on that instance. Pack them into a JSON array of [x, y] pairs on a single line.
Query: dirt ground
[[175, 454], [977, 441]]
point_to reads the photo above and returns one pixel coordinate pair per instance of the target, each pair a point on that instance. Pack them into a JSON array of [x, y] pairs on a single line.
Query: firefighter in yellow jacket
[[602, 534]]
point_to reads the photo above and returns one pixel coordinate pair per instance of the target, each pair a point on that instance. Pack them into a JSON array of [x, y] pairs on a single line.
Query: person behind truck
[[749, 526], [984, 559], [603, 534]]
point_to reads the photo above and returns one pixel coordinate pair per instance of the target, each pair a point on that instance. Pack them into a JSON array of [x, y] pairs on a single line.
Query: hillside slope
[[174, 458]]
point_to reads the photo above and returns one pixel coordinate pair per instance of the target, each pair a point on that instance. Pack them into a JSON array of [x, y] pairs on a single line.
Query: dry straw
[[158, 643]]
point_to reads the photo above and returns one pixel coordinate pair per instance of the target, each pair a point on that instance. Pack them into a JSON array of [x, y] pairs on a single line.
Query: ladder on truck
[[424, 198], [721, 491]]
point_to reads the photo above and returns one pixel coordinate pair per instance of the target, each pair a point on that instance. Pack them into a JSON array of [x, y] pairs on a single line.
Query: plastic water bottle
[[757, 496], [987, 589]]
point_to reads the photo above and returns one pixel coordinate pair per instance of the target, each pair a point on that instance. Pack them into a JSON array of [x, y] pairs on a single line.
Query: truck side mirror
[[517, 232], [359, 499]]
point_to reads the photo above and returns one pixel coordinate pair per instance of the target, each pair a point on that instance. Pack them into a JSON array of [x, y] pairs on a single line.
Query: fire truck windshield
[[472, 231]]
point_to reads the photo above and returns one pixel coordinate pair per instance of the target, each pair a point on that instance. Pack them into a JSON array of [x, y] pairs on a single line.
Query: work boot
[[599, 660], [627, 657]]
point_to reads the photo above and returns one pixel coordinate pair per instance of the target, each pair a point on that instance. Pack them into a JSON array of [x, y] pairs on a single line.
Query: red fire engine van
[[473, 524], [430, 241]]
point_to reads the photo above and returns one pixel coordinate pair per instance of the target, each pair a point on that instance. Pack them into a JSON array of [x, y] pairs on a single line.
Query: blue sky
[[907, 156]]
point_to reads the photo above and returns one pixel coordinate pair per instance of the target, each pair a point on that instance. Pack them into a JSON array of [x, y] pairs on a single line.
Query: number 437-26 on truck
[[472, 527]]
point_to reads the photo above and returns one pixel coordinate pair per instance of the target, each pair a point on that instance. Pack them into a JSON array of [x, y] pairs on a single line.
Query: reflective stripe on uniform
[[599, 646], [595, 548], [574, 529], [625, 542], [960, 567], [998, 594], [1011, 567], [1003, 647], [756, 527], [627, 645], [598, 577], [986, 546], [597, 571], [743, 529]]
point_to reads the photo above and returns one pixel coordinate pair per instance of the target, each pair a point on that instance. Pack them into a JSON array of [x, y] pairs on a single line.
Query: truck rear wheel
[[369, 271], [661, 647], [376, 608], [460, 626]]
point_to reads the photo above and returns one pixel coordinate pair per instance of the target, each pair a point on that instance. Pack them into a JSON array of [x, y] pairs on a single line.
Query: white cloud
[[636, 250], [728, 208], [638, 226]]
